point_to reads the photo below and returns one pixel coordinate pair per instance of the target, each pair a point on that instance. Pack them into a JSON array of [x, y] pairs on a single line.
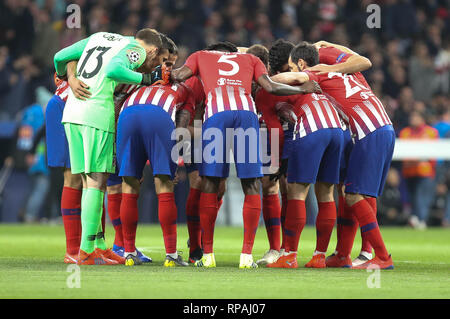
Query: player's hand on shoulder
[[311, 87], [285, 112], [79, 88]]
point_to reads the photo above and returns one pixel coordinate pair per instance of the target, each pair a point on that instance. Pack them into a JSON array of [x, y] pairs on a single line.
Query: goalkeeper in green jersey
[[104, 60]]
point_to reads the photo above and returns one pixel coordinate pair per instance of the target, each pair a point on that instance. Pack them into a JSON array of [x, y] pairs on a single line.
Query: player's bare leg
[[324, 223], [71, 214], [167, 215], [271, 214], [294, 224]]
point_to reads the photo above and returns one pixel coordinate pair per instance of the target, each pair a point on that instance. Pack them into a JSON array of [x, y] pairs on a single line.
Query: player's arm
[[190, 68], [291, 78], [277, 88], [71, 53], [121, 67], [181, 74], [79, 88], [354, 63]]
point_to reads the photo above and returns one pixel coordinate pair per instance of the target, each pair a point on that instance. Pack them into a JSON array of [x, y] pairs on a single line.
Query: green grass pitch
[[31, 267]]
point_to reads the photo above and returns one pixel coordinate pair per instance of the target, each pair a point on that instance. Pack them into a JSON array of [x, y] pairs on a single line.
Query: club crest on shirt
[[364, 95], [133, 56], [220, 81]]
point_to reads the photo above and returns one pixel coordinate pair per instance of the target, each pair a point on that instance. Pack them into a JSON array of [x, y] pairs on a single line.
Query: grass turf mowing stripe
[[31, 267]]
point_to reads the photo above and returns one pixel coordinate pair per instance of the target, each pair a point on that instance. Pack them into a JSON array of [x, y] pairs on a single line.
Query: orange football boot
[[94, 258], [286, 261], [108, 253], [317, 261], [70, 259], [377, 263], [336, 261]]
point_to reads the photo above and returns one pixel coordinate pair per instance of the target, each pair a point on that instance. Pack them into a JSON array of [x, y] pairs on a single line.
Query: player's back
[[356, 102], [227, 78], [169, 97], [315, 112], [98, 110]]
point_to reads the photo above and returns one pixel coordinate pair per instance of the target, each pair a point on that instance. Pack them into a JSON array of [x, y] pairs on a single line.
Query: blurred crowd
[[410, 54]]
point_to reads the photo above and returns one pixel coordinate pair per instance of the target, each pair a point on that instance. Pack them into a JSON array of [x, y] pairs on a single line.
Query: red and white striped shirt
[[314, 112], [63, 90], [356, 103], [169, 97], [227, 79], [121, 93]]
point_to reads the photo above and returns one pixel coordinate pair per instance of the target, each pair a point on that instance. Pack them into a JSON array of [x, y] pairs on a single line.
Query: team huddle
[[119, 102]]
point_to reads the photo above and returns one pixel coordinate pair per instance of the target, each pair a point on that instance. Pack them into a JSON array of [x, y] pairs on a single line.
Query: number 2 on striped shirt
[[349, 90]]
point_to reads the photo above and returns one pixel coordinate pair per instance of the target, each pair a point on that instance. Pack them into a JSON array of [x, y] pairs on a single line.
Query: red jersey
[[331, 56], [352, 95], [265, 105], [169, 97], [227, 79], [195, 84], [121, 92], [314, 112], [63, 90]]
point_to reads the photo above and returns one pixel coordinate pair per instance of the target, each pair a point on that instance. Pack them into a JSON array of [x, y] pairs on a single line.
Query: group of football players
[[119, 100]]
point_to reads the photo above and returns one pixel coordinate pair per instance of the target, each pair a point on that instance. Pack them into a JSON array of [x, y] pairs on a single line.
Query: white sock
[[316, 252], [366, 254], [174, 255], [134, 253]]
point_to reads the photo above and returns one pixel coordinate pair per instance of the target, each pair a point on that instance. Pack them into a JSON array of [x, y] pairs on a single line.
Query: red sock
[[129, 218], [71, 215], [284, 203], [219, 203], [114, 201], [251, 213], [366, 246], [193, 219], [349, 226], [369, 227], [208, 214], [294, 223], [324, 225], [340, 214], [167, 214], [272, 214]]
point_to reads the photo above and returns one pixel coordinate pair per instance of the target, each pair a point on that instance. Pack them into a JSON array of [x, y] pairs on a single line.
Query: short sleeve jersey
[[101, 48], [170, 98], [227, 79]]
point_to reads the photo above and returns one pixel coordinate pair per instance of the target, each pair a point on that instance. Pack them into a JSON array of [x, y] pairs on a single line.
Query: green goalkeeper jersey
[[105, 59]]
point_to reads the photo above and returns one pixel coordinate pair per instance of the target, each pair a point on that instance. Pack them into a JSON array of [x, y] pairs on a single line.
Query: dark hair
[[261, 52], [279, 54], [168, 44], [307, 52], [222, 46], [150, 36]]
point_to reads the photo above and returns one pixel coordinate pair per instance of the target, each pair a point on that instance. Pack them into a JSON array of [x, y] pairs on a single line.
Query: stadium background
[[410, 54]]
